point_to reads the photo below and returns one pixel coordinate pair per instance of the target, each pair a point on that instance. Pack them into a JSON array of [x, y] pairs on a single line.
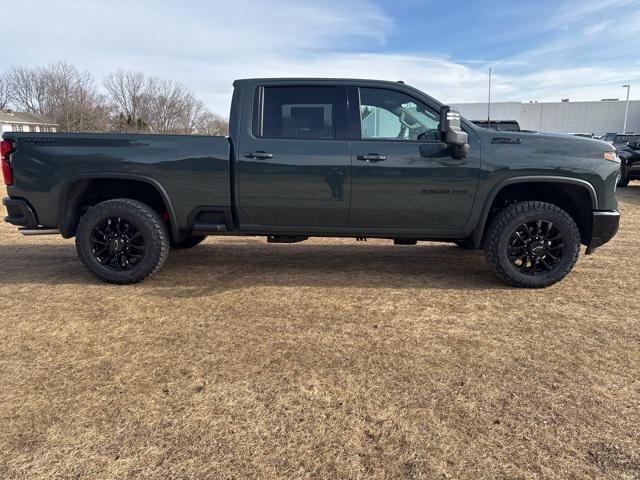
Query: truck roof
[[318, 79], [360, 81]]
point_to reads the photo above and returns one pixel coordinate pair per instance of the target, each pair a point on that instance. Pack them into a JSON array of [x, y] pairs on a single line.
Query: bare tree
[[164, 105], [212, 124], [73, 99], [150, 104], [127, 95], [133, 102], [192, 113], [60, 93], [5, 92], [28, 88]]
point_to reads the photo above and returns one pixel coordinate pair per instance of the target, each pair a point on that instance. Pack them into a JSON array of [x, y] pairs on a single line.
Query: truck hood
[[547, 143]]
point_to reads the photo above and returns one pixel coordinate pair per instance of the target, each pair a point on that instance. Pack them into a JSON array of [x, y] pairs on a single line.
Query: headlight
[[612, 157]]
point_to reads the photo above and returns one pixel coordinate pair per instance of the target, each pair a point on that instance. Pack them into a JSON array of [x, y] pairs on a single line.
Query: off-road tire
[[188, 242], [147, 222], [504, 225]]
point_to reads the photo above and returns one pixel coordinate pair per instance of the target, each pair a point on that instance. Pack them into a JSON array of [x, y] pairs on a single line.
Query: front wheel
[[122, 241], [532, 244]]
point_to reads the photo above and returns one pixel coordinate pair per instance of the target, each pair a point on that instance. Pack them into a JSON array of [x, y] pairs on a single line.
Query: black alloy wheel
[[532, 244], [536, 247], [122, 241], [117, 244]]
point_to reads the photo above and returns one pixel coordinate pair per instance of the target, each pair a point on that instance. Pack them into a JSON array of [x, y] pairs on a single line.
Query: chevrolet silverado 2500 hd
[[319, 157]]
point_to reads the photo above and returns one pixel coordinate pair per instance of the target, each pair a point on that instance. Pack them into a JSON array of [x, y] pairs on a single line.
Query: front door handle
[[372, 157], [259, 155]]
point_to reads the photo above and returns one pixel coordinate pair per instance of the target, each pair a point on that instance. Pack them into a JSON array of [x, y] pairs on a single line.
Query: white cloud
[[597, 27], [575, 11]]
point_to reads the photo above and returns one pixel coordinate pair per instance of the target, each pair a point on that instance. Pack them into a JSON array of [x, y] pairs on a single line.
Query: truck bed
[[192, 171]]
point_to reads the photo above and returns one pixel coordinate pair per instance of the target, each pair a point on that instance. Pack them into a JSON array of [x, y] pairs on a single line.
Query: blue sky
[[491, 31], [543, 50]]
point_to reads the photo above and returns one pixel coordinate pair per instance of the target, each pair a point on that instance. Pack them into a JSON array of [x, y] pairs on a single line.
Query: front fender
[[478, 232]]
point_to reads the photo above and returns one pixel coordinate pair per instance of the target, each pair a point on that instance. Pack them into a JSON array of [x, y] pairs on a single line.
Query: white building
[[11, 121], [561, 117]]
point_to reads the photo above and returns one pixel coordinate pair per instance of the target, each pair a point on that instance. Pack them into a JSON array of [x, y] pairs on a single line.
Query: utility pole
[[489, 103], [626, 108]]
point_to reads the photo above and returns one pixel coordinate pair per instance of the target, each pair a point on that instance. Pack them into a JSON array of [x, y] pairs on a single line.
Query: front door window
[[392, 115]]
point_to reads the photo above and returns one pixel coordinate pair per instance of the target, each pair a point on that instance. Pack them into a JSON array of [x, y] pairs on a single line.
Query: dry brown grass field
[[325, 359]]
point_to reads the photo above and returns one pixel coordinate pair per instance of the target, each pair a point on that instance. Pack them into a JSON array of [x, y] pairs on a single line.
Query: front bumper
[[19, 213], [604, 228]]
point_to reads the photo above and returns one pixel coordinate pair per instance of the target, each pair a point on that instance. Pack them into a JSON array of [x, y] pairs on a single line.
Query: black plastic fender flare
[[66, 186], [476, 236]]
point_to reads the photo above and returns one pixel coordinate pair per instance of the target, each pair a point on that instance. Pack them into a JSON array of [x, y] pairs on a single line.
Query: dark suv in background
[[620, 139], [627, 146], [630, 162]]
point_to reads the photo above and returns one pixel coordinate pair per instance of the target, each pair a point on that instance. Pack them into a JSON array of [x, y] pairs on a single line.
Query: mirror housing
[[451, 132]]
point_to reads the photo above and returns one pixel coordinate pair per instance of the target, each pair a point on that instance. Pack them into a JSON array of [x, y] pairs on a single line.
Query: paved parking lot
[[323, 359]]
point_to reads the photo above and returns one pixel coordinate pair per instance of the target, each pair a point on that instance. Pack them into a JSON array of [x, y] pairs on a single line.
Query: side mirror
[[451, 132]]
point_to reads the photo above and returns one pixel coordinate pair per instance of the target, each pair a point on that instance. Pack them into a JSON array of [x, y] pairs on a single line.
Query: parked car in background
[[319, 157], [620, 139], [630, 163], [585, 135], [500, 125]]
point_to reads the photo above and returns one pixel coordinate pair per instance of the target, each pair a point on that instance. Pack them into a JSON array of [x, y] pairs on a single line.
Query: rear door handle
[[372, 157], [259, 155]]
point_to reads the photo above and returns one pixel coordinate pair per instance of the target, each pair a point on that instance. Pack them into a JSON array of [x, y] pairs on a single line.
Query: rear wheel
[[122, 241], [188, 242], [532, 244]]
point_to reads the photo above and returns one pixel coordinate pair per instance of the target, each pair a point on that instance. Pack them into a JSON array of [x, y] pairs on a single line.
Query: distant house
[[11, 121]]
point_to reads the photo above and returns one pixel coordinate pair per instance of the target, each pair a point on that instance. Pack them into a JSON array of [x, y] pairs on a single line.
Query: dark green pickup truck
[[319, 157]]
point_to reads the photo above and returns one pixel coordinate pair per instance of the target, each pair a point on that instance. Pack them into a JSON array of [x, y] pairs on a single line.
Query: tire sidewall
[[151, 236], [572, 247]]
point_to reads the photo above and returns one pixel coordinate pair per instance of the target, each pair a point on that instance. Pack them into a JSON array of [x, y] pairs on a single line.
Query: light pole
[[626, 108], [489, 104]]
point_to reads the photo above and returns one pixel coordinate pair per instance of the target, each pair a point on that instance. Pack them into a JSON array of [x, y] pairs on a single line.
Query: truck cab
[[362, 156]]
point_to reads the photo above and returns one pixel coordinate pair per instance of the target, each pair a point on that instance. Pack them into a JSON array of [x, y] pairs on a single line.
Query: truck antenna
[[489, 103]]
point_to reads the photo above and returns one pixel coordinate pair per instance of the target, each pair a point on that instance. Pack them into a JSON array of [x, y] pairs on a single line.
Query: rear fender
[[68, 195]]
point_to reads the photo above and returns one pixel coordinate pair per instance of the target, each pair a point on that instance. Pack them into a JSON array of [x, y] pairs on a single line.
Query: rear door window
[[296, 112]]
